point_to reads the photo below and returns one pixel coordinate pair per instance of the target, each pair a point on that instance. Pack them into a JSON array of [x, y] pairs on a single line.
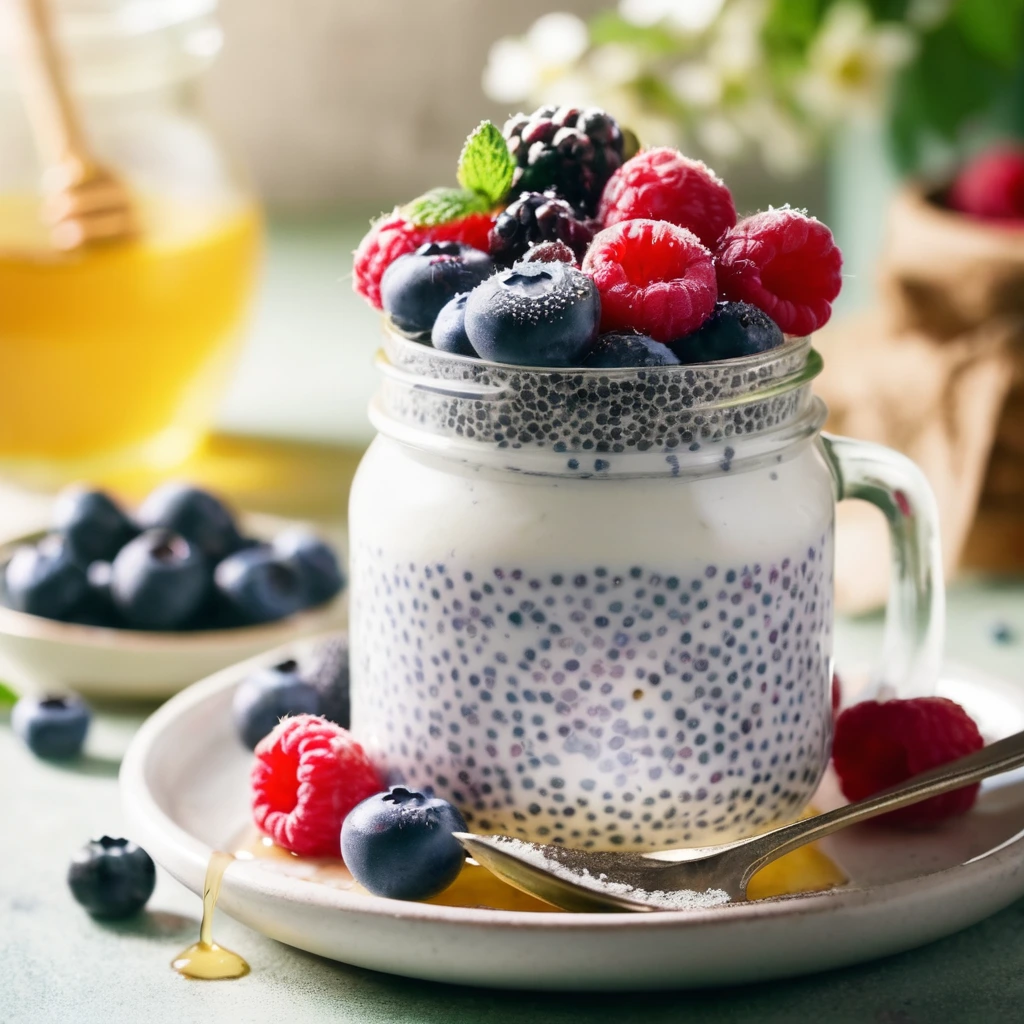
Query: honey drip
[[205, 959]]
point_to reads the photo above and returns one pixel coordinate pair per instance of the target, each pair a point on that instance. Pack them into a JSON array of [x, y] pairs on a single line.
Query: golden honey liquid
[[117, 350], [204, 959]]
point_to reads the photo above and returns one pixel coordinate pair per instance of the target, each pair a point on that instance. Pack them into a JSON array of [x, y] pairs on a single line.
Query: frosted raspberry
[[309, 773], [654, 277], [662, 184], [991, 186], [392, 236], [783, 262], [880, 745]]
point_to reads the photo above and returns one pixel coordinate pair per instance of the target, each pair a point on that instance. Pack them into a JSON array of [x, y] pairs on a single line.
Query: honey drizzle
[[204, 959]]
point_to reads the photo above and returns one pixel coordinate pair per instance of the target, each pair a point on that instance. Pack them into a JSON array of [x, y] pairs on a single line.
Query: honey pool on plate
[[119, 350]]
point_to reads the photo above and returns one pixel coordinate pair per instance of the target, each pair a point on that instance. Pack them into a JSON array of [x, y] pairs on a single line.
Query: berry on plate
[[622, 349], [315, 560], [533, 218], [733, 329], [572, 150], [309, 773], [785, 263], [417, 286], [393, 235], [259, 585], [399, 844], [112, 878], [536, 314], [197, 515], [654, 277], [45, 579], [877, 745], [449, 334], [264, 697], [52, 727], [159, 580], [327, 671], [93, 524], [662, 184], [991, 186]]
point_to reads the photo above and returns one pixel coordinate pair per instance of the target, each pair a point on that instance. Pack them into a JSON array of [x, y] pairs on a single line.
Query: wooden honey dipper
[[85, 201]]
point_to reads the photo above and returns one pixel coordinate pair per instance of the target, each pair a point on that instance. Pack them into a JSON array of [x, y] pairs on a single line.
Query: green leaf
[[441, 205], [486, 166], [992, 28], [7, 695], [609, 27]]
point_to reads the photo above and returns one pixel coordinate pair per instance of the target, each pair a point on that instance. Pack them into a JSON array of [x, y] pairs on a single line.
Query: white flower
[[851, 62], [615, 64], [687, 16], [519, 69], [735, 49], [785, 144], [697, 84], [720, 137]]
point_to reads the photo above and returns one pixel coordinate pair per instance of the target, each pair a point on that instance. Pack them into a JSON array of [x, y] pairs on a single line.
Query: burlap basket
[[937, 372]]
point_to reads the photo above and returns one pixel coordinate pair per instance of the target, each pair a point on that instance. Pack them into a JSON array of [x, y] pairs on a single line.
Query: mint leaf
[[7, 695], [441, 205], [485, 165]]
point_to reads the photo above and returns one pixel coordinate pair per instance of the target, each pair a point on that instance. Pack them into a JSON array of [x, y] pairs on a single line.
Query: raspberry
[[783, 262], [393, 236], [662, 184], [550, 252], [537, 217], [837, 694], [991, 185], [653, 277], [309, 773], [881, 745]]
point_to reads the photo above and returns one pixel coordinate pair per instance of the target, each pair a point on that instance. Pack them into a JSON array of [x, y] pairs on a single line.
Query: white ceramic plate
[[184, 787]]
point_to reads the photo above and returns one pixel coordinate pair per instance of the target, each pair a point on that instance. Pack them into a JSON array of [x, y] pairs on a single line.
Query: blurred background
[[224, 343]]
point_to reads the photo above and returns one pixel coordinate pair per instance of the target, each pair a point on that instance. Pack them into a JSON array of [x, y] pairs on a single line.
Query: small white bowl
[[43, 655]]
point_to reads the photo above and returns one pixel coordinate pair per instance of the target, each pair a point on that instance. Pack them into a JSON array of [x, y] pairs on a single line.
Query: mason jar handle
[[915, 618]]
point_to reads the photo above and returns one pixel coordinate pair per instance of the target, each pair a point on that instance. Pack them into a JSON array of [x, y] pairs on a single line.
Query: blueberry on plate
[[326, 669], [449, 334], [112, 878], [536, 314], [260, 586], [315, 560], [93, 524], [265, 697], [611, 350], [45, 579], [52, 727], [197, 515], [159, 581], [400, 844], [733, 329], [416, 287]]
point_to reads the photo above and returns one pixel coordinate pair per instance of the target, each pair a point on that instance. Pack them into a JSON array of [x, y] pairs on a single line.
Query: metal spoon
[[678, 879]]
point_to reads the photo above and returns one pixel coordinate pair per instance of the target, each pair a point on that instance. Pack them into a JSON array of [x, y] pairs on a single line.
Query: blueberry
[[261, 586], [400, 844], [536, 314], [45, 579], [93, 524], [267, 696], [327, 670], [1002, 633], [97, 608], [112, 878], [315, 560], [52, 727], [416, 287], [159, 581], [449, 333], [616, 349], [198, 516], [733, 329]]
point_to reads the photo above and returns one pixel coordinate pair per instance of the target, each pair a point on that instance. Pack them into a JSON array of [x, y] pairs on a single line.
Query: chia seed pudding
[[632, 656]]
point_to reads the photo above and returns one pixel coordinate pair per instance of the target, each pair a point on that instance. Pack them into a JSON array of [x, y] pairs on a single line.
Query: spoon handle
[[1001, 756]]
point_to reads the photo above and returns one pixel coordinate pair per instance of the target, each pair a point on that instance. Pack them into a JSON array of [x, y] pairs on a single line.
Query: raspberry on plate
[[309, 773], [662, 184], [991, 186], [392, 236], [878, 745], [654, 277], [785, 263]]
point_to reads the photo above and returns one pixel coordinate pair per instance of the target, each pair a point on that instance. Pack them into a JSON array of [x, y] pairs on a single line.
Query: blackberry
[[537, 217], [571, 150]]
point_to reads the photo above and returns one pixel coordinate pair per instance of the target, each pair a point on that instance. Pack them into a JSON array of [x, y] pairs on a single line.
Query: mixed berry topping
[[538, 217], [734, 329], [620, 349]]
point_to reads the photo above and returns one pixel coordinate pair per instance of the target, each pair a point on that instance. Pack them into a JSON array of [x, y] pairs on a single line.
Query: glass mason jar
[[595, 606], [114, 355]]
